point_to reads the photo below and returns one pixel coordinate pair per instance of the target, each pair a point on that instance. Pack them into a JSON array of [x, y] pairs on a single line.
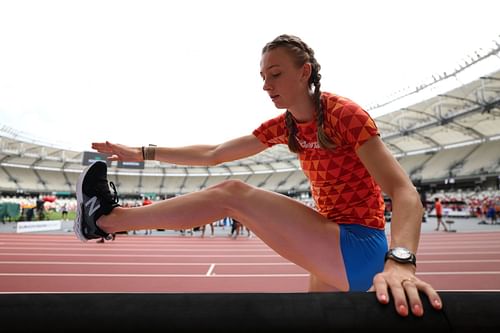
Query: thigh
[[292, 229], [317, 285]]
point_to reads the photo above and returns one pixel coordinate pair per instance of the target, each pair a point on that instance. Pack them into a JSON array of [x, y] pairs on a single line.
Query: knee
[[232, 187], [230, 194]]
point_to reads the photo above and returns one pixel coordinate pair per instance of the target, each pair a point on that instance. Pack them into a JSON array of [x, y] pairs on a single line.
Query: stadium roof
[[465, 115]]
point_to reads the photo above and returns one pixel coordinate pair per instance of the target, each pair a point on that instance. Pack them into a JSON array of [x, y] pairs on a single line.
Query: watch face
[[402, 253]]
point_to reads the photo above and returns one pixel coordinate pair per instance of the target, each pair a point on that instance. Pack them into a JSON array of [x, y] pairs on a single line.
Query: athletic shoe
[[94, 199]]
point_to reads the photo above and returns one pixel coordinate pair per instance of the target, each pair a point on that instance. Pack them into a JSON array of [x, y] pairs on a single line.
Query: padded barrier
[[242, 312]]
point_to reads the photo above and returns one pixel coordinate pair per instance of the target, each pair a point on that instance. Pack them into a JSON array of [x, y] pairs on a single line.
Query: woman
[[342, 241]]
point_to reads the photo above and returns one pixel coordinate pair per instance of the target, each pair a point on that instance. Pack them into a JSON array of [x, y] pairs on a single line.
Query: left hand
[[404, 286]]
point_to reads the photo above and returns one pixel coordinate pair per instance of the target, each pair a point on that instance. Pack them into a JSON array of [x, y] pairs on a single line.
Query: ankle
[[105, 222]]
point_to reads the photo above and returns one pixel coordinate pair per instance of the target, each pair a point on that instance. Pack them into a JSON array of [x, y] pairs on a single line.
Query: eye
[[271, 75]]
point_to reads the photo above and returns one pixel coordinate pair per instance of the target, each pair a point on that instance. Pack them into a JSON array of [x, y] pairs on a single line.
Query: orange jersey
[[341, 187], [439, 208]]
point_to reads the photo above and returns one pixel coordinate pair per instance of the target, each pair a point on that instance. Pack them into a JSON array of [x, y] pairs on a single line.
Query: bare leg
[[292, 229], [316, 285]]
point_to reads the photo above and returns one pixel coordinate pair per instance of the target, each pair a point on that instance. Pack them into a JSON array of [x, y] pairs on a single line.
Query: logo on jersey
[[308, 145]]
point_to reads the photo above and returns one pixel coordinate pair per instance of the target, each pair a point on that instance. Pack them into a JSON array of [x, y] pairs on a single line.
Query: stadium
[[444, 131], [448, 142]]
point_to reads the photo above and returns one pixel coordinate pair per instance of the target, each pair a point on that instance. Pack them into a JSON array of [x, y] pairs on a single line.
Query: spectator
[[492, 213], [439, 214], [147, 202]]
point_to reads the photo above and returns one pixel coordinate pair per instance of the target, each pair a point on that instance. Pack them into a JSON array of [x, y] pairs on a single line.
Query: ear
[[306, 71]]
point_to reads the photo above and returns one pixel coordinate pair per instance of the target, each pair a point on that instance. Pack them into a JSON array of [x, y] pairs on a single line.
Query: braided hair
[[303, 54]]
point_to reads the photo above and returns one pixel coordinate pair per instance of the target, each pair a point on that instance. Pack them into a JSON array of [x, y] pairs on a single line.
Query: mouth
[[274, 97]]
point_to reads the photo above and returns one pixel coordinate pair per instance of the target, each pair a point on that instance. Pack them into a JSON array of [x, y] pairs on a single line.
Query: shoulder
[[346, 121], [342, 111], [272, 131], [334, 103], [278, 121]]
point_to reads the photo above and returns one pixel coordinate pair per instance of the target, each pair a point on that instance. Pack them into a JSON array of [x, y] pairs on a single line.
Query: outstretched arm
[[405, 229], [205, 155]]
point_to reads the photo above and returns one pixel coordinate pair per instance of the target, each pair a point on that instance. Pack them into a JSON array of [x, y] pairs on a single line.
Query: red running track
[[60, 263]]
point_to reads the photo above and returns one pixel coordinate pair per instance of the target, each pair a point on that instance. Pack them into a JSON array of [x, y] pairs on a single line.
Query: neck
[[304, 110]]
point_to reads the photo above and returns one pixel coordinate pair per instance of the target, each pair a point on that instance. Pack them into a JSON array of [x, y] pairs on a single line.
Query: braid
[[303, 54], [324, 141], [293, 144]]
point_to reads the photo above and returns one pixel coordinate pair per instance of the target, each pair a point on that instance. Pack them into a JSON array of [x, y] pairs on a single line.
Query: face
[[283, 80]]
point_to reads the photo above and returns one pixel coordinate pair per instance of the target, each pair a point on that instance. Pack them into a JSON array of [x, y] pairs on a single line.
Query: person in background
[[146, 202], [439, 214]]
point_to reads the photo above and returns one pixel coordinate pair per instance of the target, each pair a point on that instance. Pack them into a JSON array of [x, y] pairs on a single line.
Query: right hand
[[118, 152]]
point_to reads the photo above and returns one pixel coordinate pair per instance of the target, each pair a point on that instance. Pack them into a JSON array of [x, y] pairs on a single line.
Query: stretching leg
[[292, 229]]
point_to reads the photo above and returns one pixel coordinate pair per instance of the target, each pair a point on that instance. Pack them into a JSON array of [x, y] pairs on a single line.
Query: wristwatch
[[402, 255]]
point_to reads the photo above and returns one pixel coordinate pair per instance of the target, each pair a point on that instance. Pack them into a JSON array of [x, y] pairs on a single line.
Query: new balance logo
[[94, 205]]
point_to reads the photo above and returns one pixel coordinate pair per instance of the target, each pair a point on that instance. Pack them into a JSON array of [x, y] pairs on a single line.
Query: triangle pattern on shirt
[[341, 186]]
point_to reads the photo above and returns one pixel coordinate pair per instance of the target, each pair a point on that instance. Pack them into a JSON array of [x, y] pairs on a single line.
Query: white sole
[[77, 227]]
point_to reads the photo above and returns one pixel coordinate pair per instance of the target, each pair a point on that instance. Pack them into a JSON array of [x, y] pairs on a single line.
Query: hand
[[404, 285], [118, 152]]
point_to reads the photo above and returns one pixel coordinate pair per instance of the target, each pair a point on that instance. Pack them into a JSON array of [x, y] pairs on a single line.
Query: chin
[[279, 106]]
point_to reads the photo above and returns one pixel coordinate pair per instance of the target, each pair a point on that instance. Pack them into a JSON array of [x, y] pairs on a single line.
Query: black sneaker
[[94, 199]]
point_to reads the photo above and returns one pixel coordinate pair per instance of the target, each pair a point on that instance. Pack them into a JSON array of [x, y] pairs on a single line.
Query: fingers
[[415, 304], [432, 294], [117, 152], [383, 283], [405, 292], [103, 147], [380, 288]]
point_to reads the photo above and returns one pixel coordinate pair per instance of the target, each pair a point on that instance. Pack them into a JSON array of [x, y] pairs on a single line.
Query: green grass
[[51, 215]]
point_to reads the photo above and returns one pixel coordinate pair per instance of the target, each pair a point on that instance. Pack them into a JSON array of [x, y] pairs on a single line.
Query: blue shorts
[[363, 250]]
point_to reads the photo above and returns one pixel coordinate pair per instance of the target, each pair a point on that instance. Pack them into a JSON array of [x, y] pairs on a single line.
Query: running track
[[60, 263]]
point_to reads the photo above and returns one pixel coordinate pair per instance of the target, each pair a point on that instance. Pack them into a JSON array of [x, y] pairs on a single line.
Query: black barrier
[[242, 312]]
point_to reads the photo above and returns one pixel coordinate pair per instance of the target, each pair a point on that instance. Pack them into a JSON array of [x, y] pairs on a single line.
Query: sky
[[177, 73]]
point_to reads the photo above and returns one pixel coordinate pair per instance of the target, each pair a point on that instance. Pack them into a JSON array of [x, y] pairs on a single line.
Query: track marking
[[147, 292], [152, 263], [210, 270], [38, 254], [204, 275], [460, 273], [114, 263], [452, 261], [121, 249], [150, 275]]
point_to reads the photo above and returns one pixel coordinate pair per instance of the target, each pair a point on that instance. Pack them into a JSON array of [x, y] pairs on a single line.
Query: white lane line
[[150, 275], [204, 275], [453, 261], [454, 253], [147, 292], [460, 273], [143, 263], [210, 270], [4, 254], [114, 263], [121, 249]]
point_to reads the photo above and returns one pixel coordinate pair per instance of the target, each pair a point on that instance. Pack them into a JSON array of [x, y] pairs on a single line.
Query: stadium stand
[[450, 140]]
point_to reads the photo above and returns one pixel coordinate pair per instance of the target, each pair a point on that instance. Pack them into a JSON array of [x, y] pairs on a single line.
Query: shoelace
[[115, 193], [103, 189]]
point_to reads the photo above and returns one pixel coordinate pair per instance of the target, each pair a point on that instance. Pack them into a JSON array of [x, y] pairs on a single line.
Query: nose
[[266, 86]]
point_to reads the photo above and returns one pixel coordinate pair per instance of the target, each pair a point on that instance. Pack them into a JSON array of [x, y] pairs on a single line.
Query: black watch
[[402, 255]]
